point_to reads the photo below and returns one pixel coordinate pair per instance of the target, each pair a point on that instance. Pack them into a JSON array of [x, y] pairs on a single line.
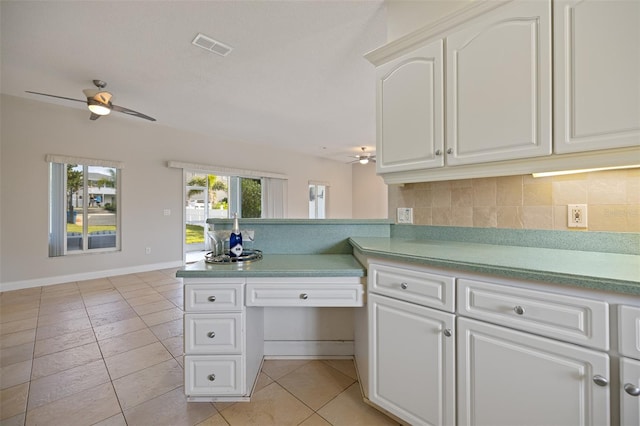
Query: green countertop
[[280, 265], [614, 272]]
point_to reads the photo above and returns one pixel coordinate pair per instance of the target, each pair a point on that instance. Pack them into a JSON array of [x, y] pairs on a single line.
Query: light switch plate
[[405, 215]]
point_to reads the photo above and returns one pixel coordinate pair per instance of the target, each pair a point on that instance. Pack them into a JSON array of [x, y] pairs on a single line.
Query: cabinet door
[[499, 85], [509, 378], [411, 369], [410, 111], [597, 74], [629, 397]]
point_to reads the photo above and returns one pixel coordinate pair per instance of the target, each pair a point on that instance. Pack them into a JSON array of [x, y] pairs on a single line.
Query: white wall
[[31, 129], [405, 16], [370, 194]]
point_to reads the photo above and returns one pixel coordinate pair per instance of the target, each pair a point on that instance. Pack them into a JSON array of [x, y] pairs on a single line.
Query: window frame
[[58, 236]]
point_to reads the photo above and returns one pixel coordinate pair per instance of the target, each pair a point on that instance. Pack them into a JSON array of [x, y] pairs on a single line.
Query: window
[[212, 196], [83, 206], [317, 200]]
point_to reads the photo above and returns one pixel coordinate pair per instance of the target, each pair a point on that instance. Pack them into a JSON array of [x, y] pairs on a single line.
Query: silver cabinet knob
[[438, 152], [304, 296], [211, 377], [450, 151], [211, 334], [447, 332], [404, 286], [211, 298], [600, 381], [632, 389], [518, 310]]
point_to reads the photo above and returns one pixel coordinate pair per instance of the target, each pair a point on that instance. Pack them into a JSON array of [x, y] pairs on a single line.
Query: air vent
[[211, 45]]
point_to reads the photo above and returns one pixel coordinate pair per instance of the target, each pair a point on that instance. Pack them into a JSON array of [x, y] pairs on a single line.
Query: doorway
[[206, 196]]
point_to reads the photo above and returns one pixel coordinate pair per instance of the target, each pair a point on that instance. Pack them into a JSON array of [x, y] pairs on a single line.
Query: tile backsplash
[[524, 202]]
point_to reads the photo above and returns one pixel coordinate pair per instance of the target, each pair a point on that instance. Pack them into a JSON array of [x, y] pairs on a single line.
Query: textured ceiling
[[296, 78]]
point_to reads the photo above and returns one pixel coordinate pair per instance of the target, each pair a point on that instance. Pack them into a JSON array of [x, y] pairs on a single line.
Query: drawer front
[[413, 285], [305, 295], [568, 318], [213, 297], [629, 331], [213, 375], [213, 333]]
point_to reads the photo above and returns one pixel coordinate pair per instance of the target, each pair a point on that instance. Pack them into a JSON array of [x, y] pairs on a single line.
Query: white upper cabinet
[[596, 74], [410, 111], [499, 85]]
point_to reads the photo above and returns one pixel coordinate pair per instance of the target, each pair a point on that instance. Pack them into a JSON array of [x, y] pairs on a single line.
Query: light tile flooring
[[109, 352]]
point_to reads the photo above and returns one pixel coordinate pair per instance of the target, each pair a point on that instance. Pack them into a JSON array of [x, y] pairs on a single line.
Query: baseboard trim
[[308, 348], [60, 279]]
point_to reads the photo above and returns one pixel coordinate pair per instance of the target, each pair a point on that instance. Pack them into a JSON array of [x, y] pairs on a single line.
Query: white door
[[630, 392], [511, 378], [411, 370], [596, 74], [410, 111], [499, 85]]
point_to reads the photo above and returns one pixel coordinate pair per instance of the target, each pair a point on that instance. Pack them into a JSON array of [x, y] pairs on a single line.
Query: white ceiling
[[296, 78]]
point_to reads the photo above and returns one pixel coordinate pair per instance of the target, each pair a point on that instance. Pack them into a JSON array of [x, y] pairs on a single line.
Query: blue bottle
[[235, 239]]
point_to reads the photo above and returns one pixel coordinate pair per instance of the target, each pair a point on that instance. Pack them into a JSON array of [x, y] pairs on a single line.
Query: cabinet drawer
[[305, 295], [629, 331], [568, 318], [413, 285], [213, 375], [213, 333], [213, 297]]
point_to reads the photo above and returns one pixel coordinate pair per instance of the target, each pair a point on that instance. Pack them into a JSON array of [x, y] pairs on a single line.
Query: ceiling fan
[[365, 157], [99, 102]]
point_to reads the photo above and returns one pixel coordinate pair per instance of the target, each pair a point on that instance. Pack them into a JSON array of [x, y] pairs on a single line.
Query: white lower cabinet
[[411, 347], [457, 348], [507, 377], [629, 392], [224, 327], [629, 348], [412, 361], [223, 341]]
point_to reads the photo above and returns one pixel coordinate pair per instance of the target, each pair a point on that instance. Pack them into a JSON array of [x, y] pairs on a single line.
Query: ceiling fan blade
[[132, 112], [94, 116], [56, 96]]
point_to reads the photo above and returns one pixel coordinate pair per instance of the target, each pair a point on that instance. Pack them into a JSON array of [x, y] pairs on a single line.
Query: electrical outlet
[[577, 215], [147, 250], [167, 212], [405, 215]]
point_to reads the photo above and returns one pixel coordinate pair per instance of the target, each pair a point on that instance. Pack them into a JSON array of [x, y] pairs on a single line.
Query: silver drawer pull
[[211, 377], [600, 381], [211, 298], [518, 310], [404, 286], [304, 296], [632, 389], [211, 334], [447, 332]]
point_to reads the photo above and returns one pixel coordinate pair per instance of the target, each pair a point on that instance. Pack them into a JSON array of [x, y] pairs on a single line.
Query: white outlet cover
[[576, 215]]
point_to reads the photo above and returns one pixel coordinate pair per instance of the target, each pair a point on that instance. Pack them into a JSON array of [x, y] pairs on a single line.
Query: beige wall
[[31, 129], [369, 192], [524, 202]]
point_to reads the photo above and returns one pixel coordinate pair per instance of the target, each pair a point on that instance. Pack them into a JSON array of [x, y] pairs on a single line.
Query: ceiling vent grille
[[211, 45]]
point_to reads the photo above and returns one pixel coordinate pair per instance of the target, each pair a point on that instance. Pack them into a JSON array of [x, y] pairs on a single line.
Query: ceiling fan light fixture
[[97, 107], [364, 160]]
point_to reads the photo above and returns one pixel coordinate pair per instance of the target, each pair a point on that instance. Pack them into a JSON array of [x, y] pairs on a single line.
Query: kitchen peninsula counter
[[613, 272], [280, 265]]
